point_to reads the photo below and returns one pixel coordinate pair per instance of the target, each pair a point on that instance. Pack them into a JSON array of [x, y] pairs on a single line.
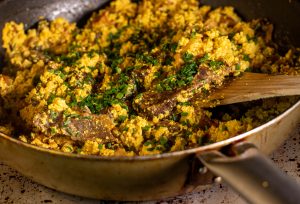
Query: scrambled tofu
[[129, 82]]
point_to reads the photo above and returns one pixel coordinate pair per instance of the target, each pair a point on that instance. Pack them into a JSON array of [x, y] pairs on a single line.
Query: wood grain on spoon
[[253, 86]]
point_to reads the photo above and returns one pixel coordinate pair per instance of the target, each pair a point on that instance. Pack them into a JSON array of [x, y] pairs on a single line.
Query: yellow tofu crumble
[[132, 80]]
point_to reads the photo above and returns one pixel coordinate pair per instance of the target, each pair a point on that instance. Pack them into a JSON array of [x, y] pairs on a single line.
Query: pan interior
[[70, 10]]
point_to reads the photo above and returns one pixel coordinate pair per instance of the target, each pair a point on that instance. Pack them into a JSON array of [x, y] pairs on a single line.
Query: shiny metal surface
[[253, 175], [15, 188]]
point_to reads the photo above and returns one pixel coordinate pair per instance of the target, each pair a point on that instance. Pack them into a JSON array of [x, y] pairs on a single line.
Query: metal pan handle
[[252, 175]]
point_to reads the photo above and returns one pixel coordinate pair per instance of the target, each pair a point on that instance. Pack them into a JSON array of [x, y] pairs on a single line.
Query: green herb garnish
[[100, 146], [184, 114], [146, 128], [246, 57], [51, 98]]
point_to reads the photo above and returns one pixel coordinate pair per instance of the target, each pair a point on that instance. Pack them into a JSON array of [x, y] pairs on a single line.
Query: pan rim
[[213, 146]]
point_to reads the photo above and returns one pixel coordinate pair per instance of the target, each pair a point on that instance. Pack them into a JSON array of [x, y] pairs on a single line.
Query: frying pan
[[238, 160]]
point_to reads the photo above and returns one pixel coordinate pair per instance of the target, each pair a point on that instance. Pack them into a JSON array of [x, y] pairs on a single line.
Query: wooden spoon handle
[[253, 86]]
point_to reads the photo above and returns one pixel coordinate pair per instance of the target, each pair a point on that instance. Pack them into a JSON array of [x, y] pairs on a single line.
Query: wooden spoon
[[253, 86]]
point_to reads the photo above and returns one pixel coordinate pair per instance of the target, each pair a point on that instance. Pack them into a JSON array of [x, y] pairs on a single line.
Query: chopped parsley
[[69, 148], [246, 57], [100, 146], [215, 64], [187, 57], [254, 39], [184, 114], [203, 59], [147, 59], [53, 114], [51, 98], [146, 128], [170, 47], [125, 129], [231, 35], [98, 101], [66, 122], [53, 130], [187, 103], [120, 95], [147, 143], [109, 145], [163, 141], [70, 58], [168, 60], [193, 33], [182, 78], [58, 72], [122, 118]]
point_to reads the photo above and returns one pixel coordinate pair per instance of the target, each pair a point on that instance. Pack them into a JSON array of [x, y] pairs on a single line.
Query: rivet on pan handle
[[252, 175]]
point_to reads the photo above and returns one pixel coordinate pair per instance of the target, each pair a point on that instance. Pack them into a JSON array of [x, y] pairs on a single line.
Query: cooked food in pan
[[132, 81]]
